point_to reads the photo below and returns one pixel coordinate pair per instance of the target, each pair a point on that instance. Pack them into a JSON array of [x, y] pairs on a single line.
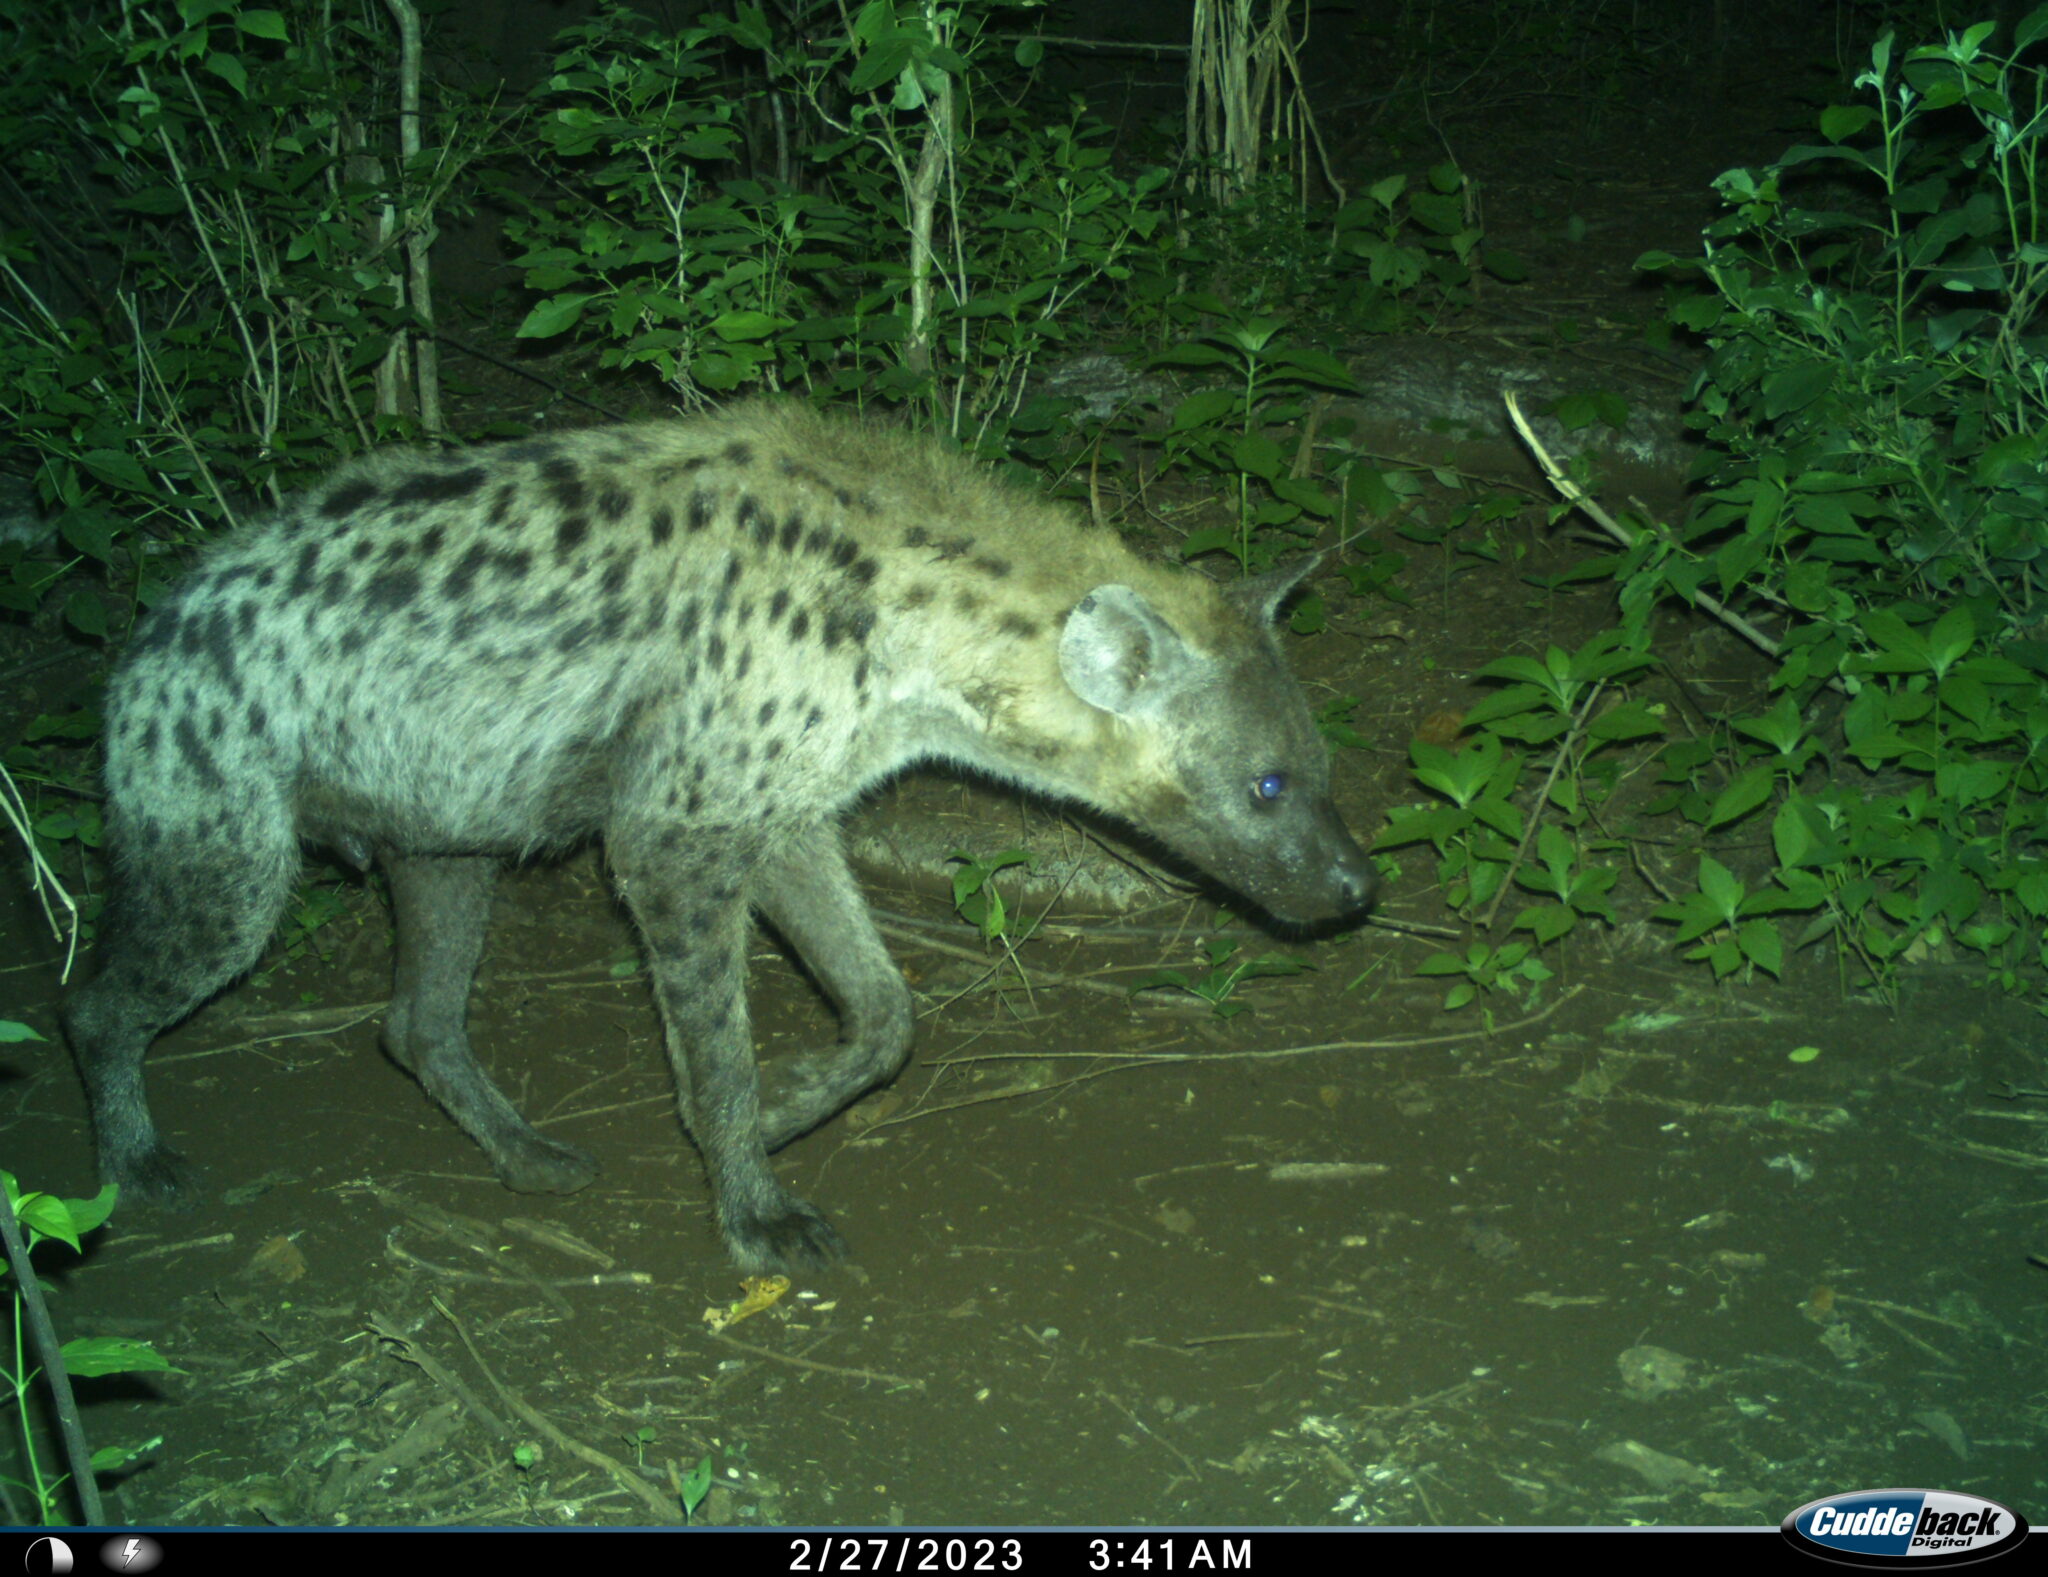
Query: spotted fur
[[700, 641]]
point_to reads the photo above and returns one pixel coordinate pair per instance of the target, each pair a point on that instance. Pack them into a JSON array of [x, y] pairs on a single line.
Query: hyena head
[[1217, 754]]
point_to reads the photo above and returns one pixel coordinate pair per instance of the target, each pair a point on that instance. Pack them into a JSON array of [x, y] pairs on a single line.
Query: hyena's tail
[[197, 887]]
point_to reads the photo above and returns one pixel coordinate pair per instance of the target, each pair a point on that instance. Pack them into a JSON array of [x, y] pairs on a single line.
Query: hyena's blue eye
[[1270, 787]]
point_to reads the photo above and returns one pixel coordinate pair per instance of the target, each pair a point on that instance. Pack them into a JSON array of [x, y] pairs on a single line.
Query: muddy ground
[[1608, 1257]]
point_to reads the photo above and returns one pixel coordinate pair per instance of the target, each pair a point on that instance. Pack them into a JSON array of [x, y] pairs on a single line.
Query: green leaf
[[1722, 887], [1258, 455], [1304, 495], [10, 1031], [229, 69], [1762, 945], [1317, 367], [738, 326], [554, 315], [1210, 539], [883, 63], [86, 613], [1794, 387], [1950, 638], [91, 1356], [1195, 354], [1840, 122], [116, 469], [696, 1484], [262, 24], [1741, 797], [1202, 408]]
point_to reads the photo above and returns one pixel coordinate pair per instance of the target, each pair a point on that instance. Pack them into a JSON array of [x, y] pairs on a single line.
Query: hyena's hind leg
[[807, 893], [187, 913], [441, 907]]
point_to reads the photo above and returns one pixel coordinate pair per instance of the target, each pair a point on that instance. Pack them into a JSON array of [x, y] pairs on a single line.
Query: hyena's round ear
[[1260, 597], [1115, 651]]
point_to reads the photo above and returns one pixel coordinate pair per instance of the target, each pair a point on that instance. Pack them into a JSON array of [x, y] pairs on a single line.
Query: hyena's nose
[[1353, 878]]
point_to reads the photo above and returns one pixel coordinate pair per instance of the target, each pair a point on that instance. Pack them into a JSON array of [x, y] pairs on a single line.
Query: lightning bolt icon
[[128, 1554]]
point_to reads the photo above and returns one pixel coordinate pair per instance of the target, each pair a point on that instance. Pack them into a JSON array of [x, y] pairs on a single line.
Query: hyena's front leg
[[692, 913], [808, 894]]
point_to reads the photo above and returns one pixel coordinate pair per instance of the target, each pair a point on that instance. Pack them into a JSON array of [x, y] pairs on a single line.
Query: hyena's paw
[[792, 1235], [541, 1166], [157, 1175]]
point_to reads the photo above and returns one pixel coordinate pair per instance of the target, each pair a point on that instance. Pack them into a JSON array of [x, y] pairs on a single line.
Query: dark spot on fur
[[766, 715], [994, 568], [662, 525], [967, 602], [799, 625], [698, 513], [460, 580], [347, 499], [438, 487], [792, 530], [916, 596], [305, 569], [1016, 624], [612, 503], [844, 624], [566, 485], [569, 534], [739, 453], [778, 605], [196, 756], [391, 590]]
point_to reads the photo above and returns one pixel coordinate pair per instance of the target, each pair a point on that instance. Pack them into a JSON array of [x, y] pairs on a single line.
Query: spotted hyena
[[700, 640]]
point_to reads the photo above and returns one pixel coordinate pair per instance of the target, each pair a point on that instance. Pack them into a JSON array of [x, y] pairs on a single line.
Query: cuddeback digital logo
[[1875, 1527]]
